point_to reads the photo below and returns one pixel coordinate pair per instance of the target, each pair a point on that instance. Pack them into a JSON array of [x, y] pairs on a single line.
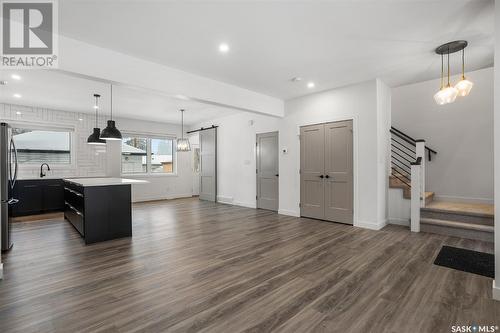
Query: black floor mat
[[466, 260]]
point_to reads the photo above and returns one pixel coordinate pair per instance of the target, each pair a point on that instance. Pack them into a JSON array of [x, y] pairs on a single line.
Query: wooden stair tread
[[455, 224], [461, 208]]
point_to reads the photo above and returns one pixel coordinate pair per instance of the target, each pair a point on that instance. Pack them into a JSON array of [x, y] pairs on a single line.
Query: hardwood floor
[[195, 266]]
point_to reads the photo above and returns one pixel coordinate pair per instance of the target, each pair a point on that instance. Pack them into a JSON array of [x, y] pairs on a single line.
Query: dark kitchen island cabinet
[[100, 209]]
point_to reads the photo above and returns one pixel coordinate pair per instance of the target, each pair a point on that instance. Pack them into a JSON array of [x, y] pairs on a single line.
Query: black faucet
[[42, 174]]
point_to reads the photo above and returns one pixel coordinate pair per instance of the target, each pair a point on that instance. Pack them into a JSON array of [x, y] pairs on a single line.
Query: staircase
[[396, 183], [472, 221], [402, 155], [465, 220]]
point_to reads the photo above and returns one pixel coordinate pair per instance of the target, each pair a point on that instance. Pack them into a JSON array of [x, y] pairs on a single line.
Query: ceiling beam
[[103, 64]]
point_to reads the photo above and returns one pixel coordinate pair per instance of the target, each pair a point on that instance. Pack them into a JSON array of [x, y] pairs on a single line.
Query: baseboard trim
[[225, 200], [245, 204], [451, 198], [496, 291], [370, 225], [399, 221], [288, 212], [162, 197]]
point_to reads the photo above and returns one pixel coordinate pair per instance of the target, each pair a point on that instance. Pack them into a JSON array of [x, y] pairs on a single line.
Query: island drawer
[[75, 217], [74, 198], [74, 187]]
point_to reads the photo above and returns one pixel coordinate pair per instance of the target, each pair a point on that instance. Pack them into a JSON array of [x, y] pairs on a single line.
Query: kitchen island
[[100, 209]]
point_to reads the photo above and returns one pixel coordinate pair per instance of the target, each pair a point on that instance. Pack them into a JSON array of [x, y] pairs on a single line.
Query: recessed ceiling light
[[223, 48], [16, 77], [17, 95], [80, 119], [310, 85], [18, 112]]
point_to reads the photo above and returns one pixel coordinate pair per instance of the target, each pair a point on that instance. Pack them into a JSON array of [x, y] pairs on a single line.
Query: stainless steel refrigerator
[[8, 176]]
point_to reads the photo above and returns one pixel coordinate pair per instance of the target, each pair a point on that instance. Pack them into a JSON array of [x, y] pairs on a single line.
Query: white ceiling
[[56, 90], [332, 43]]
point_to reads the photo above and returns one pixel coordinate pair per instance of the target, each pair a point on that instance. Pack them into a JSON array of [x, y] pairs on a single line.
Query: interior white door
[[312, 167], [338, 172], [267, 171], [208, 164]]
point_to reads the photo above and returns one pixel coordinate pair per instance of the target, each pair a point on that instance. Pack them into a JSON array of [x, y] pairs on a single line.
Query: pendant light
[[111, 132], [94, 138], [439, 96], [463, 86], [183, 144], [446, 94]]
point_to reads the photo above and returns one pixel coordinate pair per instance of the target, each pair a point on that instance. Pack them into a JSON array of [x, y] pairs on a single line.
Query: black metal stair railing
[[403, 154]]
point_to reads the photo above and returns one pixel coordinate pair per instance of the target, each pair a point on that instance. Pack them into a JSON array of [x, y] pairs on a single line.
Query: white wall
[[159, 186], [236, 139], [496, 283], [236, 182], [96, 161], [399, 208], [357, 102], [461, 133], [383, 148]]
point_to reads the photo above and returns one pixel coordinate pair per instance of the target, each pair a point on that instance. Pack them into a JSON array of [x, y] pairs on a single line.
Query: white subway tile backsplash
[[90, 160]]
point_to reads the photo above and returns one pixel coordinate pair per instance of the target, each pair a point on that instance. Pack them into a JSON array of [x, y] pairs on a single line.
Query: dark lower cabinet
[[38, 196], [99, 213], [53, 196]]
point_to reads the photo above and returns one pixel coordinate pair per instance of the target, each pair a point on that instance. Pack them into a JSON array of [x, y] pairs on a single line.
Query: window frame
[[149, 172], [55, 128]]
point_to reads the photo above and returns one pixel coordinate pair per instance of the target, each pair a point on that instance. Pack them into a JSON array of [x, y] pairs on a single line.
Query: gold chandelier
[[448, 93]]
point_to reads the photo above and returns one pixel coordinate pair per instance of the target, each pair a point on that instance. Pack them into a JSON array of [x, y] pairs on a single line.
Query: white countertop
[[38, 178], [103, 181]]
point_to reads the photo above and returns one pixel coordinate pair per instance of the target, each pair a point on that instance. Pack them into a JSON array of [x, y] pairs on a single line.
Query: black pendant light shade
[[94, 138], [111, 132]]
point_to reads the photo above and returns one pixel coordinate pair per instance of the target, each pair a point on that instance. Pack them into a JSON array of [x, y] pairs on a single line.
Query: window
[[147, 155], [162, 156], [35, 146], [134, 155]]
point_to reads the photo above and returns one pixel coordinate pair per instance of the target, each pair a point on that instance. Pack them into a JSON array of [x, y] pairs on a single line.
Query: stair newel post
[[420, 152], [416, 194]]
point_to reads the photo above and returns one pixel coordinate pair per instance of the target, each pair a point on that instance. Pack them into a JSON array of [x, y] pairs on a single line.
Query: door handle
[[12, 201], [327, 176], [13, 178], [321, 176], [277, 175]]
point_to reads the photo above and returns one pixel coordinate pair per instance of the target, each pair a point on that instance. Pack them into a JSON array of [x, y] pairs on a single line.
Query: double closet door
[[326, 180]]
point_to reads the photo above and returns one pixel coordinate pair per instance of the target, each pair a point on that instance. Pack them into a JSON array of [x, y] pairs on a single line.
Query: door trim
[[355, 201], [257, 163]]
